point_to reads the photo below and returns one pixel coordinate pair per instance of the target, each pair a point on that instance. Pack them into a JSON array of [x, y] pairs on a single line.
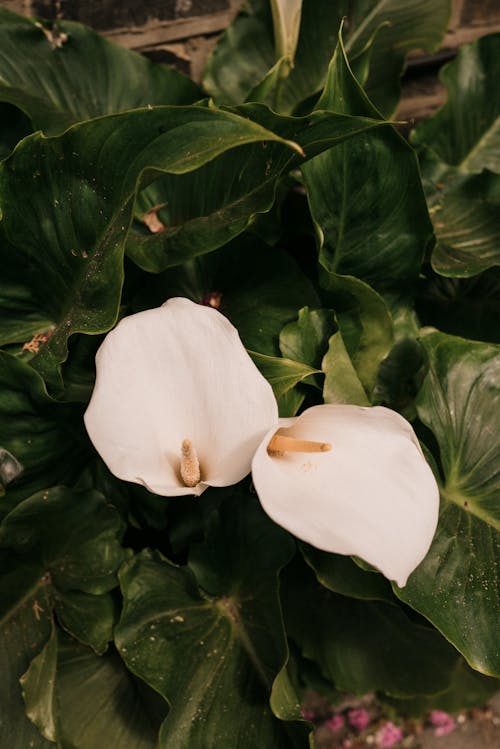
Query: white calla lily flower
[[178, 404], [286, 22], [351, 480]]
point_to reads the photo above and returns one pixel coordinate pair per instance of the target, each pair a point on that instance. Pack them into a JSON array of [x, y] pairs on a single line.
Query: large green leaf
[[396, 28], [246, 53], [259, 288], [24, 629], [465, 213], [466, 131], [81, 192], [212, 653], [68, 544], [467, 690], [365, 195], [46, 439], [363, 645], [57, 85], [82, 701], [197, 212], [341, 574], [456, 586]]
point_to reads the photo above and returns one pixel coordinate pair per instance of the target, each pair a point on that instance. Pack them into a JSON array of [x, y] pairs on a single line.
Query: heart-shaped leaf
[[465, 214], [25, 626], [68, 545], [82, 188], [456, 586], [223, 644], [362, 645], [365, 196], [50, 74], [78, 699]]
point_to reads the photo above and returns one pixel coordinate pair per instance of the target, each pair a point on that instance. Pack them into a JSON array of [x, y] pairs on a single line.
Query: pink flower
[[444, 723], [335, 723], [359, 718], [388, 735]]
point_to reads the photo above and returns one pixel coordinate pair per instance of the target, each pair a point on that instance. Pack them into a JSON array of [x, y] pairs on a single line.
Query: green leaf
[[46, 439], [342, 383], [466, 130], [364, 339], [290, 402], [14, 125], [396, 28], [74, 536], [203, 210], [306, 339], [341, 574], [242, 58], [38, 684], [246, 51], [467, 690], [467, 307], [222, 645], [56, 85], [71, 542], [72, 239], [362, 646], [282, 374], [365, 195], [24, 629], [456, 586], [401, 374], [90, 618], [258, 287], [83, 700], [465, 215]]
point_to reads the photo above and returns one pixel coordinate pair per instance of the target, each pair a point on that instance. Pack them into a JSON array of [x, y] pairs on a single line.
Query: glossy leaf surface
[[466, 131], [125, 713], [45, 438], [68, 545], [243, 57], [456, 586], [49, 74], [360, 645], [365, 195], [214, 642]]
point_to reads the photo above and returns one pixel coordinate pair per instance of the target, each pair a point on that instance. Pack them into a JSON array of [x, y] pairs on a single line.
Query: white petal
[[373, 495], [286, 22], [172, 373]]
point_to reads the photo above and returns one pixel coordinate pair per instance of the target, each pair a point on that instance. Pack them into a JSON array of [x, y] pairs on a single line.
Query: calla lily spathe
[[175, 384], [371, 494]]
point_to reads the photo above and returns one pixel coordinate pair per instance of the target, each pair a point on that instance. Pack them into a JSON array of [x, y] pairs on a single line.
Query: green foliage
[[132, 621], [456, 585]]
